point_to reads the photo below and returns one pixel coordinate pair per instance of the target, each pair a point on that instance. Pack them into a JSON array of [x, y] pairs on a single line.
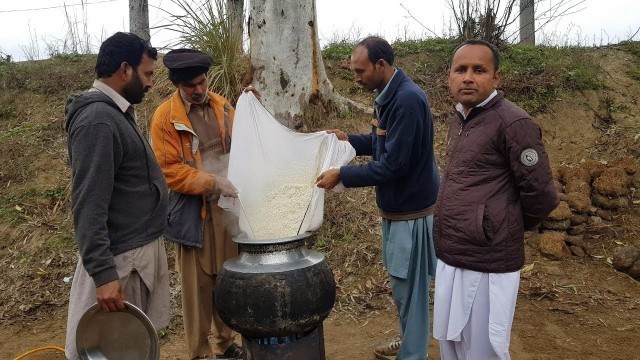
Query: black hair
[[122, 47], [493, 48], [377, 48]]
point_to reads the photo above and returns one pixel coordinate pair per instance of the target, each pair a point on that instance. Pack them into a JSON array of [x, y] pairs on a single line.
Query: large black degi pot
[[276, 294]]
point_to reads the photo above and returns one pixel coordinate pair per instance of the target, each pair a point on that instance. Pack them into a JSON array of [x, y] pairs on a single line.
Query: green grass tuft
[[443, 48], [533, 76], [338, 50], [209, 28]]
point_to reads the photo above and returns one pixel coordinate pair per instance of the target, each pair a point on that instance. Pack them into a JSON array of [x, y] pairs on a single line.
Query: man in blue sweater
[[405, 175]]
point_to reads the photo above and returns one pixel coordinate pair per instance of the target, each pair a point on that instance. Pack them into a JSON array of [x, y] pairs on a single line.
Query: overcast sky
[[43, 22]]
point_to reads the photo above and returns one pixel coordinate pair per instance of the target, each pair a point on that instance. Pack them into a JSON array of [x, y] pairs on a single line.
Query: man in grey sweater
[[119, 195]]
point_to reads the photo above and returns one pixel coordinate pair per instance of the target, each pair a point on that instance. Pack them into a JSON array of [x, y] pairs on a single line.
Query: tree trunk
[[235, 10], [286, 59], [527, 22], [139, 18]]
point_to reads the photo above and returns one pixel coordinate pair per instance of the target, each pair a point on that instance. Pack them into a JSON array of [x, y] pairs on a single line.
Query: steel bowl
[[122, 335]]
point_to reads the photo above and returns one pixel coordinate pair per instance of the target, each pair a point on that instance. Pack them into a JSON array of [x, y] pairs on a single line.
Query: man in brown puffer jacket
[[496, 184]]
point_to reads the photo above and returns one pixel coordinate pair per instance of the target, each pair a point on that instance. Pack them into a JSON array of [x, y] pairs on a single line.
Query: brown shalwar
[[198, 268]]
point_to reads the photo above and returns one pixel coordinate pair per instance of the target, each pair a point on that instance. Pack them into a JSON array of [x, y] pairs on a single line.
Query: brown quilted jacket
[[496, 183]]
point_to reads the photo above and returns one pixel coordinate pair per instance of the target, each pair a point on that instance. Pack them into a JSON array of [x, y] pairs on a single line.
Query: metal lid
[[123, 335]]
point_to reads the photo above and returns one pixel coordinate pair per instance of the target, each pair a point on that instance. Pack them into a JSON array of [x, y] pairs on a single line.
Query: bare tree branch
[[555, 13], [634, 35], [418, 21], [492, 20]]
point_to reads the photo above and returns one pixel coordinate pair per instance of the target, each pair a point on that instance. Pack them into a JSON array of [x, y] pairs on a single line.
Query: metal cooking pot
[[275, 288]]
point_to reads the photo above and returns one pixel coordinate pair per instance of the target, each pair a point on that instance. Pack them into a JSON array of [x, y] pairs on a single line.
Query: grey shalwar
[[409, 256]]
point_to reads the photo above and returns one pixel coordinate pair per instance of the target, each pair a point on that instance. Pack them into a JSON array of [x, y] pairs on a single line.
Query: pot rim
[[244, 239]]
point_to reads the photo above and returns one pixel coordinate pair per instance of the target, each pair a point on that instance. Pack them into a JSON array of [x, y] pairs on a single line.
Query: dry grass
[[612, 182], [560, 213], [628, 164], [573, 174]]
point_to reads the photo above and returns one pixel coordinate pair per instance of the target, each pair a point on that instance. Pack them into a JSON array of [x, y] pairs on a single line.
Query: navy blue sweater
[[403, 169]]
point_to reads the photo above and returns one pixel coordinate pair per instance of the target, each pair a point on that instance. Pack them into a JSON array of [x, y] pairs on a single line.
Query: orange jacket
[[175, 144]]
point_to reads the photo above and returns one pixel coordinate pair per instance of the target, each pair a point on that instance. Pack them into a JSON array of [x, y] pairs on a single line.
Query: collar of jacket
[[479, 109], [178, 113], [393, 86]]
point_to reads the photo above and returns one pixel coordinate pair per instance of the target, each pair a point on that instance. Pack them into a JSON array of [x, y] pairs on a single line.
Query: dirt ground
[[576, 308]]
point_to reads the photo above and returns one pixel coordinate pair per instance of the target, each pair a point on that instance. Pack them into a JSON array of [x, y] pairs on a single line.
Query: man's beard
[[198, 100], [134, 91]]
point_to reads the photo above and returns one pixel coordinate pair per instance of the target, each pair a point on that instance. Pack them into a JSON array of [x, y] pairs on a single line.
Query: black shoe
[[233, 352]]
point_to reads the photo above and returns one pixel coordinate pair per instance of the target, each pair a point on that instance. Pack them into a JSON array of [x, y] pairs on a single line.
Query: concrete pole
[[527, 22]]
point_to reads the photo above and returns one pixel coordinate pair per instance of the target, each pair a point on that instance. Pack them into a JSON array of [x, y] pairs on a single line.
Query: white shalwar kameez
[[473, 312]]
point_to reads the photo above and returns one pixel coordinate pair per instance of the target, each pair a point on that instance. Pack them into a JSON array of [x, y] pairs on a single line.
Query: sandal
[[388, 351], [233, 352]]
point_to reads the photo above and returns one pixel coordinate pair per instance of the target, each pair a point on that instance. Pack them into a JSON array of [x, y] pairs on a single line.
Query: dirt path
[[574, 309]]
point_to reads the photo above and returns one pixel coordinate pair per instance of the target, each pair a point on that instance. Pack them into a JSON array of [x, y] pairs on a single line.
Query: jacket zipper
[[454, 151], [446, 178]]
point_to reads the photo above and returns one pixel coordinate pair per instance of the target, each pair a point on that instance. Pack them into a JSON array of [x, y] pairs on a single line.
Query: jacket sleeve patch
[[529, 157]]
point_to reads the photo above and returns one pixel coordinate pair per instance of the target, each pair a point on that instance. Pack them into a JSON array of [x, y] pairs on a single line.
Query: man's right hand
[[341, 136], [224, 187], [110, 296]]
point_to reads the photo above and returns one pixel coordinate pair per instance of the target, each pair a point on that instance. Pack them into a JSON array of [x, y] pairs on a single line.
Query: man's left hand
[[254, 91], [328, 179]]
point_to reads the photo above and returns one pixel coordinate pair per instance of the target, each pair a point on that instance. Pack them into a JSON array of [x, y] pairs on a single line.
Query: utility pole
[[527, 22]]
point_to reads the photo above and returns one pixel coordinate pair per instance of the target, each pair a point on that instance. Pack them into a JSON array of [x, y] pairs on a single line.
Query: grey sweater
[[119, 195]]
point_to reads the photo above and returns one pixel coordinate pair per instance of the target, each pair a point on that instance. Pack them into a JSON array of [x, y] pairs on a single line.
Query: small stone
[[592, 210], [575, 241], [561, 212], [577, 251], [605, 202], [605, 214], [552, 245], [531, 240], [591, 246], [634, 270], [556, 225], [624, 257], [577, 219], [635, 180], [578, 229], [594, 220], [553, 270], [562, 197]]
